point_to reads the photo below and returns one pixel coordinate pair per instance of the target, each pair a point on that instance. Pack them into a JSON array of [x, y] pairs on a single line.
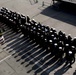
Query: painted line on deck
[[5, 58]]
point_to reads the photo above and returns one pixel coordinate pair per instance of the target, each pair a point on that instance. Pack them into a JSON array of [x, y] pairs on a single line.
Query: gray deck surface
[[21, 56]]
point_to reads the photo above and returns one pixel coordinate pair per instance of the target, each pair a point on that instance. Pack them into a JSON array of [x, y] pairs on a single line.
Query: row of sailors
[[53, 42], [44, 33], [15, 18], [46, 37]]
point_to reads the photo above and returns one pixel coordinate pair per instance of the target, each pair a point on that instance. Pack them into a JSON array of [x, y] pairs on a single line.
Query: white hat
[[54, 29], [70, 52], [67, 44], [55, 44], [60, 47], [50, 40], [51, 31], [52, 35]]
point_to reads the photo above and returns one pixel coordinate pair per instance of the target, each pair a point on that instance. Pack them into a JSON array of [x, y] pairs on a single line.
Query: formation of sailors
[[48, 38]]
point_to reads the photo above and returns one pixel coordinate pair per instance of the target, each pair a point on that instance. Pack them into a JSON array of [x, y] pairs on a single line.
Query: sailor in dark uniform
[[74, 42], [69, 58], [73, 55], [50, 46], [28, 19], [60, 53], [69, 39]]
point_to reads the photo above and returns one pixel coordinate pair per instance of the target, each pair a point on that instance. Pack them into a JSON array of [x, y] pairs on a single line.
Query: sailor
[[74, 51], [55, 40], [60, 44], [53, 30], [66, 48], [50, 46], [69, 57], [74, 41], [60, 53], [23, 30], [55, 34], [61, 36], [23, 19], [27, 19], [60, 33], [69, 39], [55, 48], [33, 21]]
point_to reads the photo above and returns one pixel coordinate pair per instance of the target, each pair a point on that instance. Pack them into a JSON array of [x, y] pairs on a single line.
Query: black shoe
[[70, 66]]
